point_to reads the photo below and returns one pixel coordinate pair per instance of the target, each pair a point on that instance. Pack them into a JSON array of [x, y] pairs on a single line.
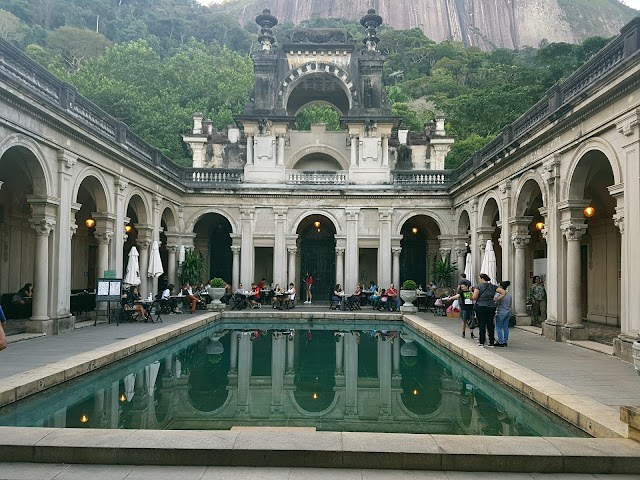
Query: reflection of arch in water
[[421, 383], [208, 378], [315, 378]]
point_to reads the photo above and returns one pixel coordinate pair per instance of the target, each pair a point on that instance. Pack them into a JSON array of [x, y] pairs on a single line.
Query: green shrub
[[216, 282], [409, 285]]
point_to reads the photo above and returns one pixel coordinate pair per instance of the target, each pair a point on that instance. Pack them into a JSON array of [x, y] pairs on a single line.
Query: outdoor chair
[[128, 314], [238, 302]]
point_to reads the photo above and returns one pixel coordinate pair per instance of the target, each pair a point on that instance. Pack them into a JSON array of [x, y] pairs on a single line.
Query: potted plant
[[408, 294], [216, 290], [192, 268], [443, 272]]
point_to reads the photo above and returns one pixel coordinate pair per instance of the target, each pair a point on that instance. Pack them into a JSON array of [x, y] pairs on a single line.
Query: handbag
[[473, 322]]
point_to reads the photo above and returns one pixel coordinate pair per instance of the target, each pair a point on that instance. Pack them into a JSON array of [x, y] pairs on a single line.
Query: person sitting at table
[[254, 296], [354, 298], [187, 291], [167, 302], [383, 300], [24, 295], [289, 297], [375, 297], [278, 296], [228, 293], [337, 295], [392, 293], [133, 296]]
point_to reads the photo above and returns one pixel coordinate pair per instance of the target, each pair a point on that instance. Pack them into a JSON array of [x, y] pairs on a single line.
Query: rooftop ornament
[[266, 22], [371, 22]]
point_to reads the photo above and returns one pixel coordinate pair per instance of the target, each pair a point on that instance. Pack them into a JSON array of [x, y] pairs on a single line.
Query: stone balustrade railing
[[206, 176], [317, 178], [422, 178]]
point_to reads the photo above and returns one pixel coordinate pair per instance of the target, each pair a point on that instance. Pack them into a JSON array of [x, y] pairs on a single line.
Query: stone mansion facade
[[367, 202]]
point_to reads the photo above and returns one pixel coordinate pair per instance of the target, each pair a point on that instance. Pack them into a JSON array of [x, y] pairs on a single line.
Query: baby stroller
[[238, 301], [440, 307]]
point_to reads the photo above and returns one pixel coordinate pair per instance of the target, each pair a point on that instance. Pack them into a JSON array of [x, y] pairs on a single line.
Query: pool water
[[369, 378]]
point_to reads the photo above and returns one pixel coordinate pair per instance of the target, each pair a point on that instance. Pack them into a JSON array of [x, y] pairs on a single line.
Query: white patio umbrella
[[181, 254], [155, 262], [489, 265], [468, 269], [130, 386], [151, 375], [132, 277]]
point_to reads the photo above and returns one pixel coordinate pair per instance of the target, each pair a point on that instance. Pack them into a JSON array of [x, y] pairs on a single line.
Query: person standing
[[538, 299], [463, 281], [466, 308], [503, 314], [308, 286], [483, 294], [3, 336]]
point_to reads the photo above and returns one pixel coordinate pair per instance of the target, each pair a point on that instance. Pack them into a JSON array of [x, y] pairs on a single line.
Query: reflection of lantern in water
[[415, 391], [84, 418], [314, 396], [123, 398]]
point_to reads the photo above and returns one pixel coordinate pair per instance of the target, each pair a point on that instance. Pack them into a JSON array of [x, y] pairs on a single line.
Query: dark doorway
[[213, 234], [413, 257], [318, 256]]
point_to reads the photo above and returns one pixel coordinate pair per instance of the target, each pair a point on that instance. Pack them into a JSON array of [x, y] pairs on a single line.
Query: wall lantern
[[90, 222], [539, 226], [84, 418], [128, 228], [316, 224], [415, 391], [414, 230], [589, 211], [123, 398]]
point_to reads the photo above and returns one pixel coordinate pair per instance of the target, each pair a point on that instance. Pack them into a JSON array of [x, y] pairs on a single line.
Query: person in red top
[[392, 293], [254, 296], [262, 284], [308, 280]]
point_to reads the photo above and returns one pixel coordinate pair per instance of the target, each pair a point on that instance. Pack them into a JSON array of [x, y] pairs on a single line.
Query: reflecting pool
[[367, 377]]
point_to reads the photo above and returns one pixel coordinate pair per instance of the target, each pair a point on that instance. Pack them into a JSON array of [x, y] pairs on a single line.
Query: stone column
[[461, 260], [385, 150], [340, 266], [291, 271], [384, 377], [278, 358], [117, 246], [249, 149], [235, 267], [247, 264], [520, 243], [104, 240], [574, 329], [351, 374], [354, 149], [352, 259], [244, 372], [384, 249], [291, 356], [144, 245], [280, 247], [43, 226], [396, 266], [61, 263], [339, 355], [171, 263]]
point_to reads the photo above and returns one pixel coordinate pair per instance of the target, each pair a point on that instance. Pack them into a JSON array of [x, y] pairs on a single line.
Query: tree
[[77, 45], [11, 27], [315, 114], [463, 149]]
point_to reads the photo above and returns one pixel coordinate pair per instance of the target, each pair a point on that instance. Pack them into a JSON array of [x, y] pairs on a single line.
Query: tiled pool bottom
[[367, 377]]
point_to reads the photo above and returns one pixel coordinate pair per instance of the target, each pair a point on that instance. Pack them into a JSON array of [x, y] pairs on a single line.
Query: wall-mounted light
[[316, 224], [128, 228], [84, 418], [539, 226], [314, 396], [123, 398], [90, 222], [589, 211], [414, 230]]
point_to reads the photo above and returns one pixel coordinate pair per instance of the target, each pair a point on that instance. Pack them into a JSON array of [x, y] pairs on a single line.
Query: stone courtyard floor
[[591, 373]]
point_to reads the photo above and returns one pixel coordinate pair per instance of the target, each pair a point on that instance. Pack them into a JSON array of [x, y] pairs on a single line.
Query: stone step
[[20, 337]]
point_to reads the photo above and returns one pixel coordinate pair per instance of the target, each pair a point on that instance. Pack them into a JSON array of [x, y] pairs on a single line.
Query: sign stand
[[108, 290]]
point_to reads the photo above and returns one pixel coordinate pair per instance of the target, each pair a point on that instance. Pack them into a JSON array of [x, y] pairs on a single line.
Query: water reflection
[[350, 380]]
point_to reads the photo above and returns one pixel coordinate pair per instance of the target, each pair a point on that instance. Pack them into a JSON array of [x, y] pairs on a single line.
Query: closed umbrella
[[468, 269], [132, 277], [489, 265], [155, 263], [130, 386], [151, 375], [181, 254]]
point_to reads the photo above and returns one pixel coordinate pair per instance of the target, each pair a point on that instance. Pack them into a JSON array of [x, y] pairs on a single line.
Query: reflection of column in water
[[98, 409], [113, 420], [291, 351], [234, 353], [384, 376], [339, 353], [278, 358], [351, 373], [396, 356], [168, 364], [244, 371], [60, 418]]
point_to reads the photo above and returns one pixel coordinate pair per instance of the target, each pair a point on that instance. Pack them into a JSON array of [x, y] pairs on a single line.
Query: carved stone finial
[[371, 21], [266, 22]]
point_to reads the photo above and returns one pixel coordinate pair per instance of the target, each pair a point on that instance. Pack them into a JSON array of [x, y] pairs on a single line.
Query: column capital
[[461, 251], [280, 213], [573, 231], [292, 250], [520, 241], [551, 168], [67, 161], [121, 184], [396, 251], [144, 244], [103, 238], [43, 226], [384, 214], [247, 213], [172, 248], [618, 219], [339, 251], [235, 250], [352, 214], [444, 252]]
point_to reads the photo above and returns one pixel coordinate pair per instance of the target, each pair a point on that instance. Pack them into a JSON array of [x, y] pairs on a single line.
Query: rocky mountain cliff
[[486, 24]]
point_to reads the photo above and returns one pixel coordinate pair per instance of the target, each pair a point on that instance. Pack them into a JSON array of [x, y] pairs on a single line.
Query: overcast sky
[[632, 3]]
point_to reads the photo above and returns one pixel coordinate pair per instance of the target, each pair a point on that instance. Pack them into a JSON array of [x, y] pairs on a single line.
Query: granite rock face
[[486, 24]]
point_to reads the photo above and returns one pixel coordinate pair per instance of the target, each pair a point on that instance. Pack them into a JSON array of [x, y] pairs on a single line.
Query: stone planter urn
[[409, 297], [216, 294], [636, 356]]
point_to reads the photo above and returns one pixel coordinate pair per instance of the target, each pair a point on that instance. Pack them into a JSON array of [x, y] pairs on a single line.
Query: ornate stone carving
[[396, 251], [627, 124], [520, 241], [67, 160], [505, 187], [172, 248], [103, 237], [573, 231], [461, 252], [339, 251], [618, 221], [551, 169], [444, 252], [121, 183], [352, 215], [144, 244], [384, 214], [42, 226], [235, 250]]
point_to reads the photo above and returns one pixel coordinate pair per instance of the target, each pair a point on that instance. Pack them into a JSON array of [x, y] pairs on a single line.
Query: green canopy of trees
[[153, 63]]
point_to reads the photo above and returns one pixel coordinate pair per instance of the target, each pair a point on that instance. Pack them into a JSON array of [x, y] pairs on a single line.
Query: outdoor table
[[148, 305]]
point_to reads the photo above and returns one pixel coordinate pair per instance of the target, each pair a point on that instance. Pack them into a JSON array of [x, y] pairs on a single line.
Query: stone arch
[[397, 228], [527, 184], [463, 221], [138, 201], [486, 218], [101, 196], [312, 71], [309, 213], [38, 167], [170, 217], [578, 171], [324, 149], [191, 223]]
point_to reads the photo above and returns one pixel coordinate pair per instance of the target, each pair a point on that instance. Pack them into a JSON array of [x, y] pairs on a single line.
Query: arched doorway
[[600, 247], [213, 241], [419, 249], [490, 229], [317, 246]]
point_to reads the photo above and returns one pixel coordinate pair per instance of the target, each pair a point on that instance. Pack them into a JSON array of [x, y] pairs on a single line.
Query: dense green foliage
[[153, 63]]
